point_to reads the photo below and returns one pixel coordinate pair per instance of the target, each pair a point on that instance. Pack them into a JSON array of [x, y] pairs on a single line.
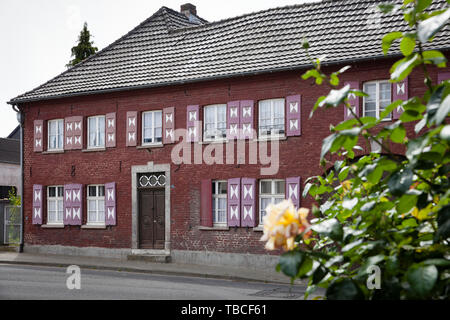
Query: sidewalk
[[204, 271]]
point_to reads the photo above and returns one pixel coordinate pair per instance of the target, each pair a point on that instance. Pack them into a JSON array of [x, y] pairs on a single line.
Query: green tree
[[381, 211], [84, 48]]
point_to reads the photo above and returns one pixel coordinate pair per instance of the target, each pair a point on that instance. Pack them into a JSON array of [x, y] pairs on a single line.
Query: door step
[[158, 258]]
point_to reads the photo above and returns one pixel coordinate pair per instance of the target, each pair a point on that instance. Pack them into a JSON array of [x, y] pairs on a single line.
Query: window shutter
[[193, 127], [293, 190], [110, 204], [110, 131], [442, 76], [206, 219], [399, 92], [37, 204], [68, 133], [293, 115], [169, 125], [233, 120], [353, 100], [246, 119], [38, 135], [131, 129], [234, 202], [67, 204], [77, 133], [248, 207], [77, 204]]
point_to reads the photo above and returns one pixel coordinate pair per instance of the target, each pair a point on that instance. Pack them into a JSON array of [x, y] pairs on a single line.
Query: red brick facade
[[299, 156]]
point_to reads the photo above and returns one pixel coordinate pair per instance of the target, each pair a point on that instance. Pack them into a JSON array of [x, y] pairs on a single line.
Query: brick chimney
[[188, 9]]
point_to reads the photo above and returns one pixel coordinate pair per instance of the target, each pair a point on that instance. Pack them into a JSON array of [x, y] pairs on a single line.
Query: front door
[[151, 219]]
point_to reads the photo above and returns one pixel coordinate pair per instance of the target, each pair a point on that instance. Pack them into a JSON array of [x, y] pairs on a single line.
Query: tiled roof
[[168, 49]]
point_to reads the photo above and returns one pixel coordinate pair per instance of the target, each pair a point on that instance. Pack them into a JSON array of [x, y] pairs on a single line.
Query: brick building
[[103, 173]]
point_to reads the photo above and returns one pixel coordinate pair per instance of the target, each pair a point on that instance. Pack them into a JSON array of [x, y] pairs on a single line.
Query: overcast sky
[[36, 36]]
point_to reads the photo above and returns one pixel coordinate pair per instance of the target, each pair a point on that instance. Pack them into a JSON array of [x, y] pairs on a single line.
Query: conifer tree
[[84, 48]]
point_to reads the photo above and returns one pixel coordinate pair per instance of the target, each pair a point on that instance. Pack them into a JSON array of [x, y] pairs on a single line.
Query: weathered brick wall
[[299, 156]]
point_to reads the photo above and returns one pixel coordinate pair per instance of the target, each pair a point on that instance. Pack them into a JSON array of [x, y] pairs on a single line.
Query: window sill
[[213, 141], [53, 151], [52, 226], [258, 229], [93, 149], [275, 138], [214, 228], [149, 146], [93, 226]]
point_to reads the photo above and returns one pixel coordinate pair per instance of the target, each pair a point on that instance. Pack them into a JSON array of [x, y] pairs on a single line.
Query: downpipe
[[20, 119]]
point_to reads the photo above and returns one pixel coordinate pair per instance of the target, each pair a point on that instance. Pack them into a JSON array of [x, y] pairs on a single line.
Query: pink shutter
[[399, 92], [248, 206], [233, 120], [131, 129], [293, 190], [442, 76], [110, 204], [77, 204], [193, 127], [67, 204], [234, 202], [246, 119], [37, 204], [206, 218], [38, 135], [68, 133], [169, 125], [293, 115], [77, 133], [110, 130], [353, 100]]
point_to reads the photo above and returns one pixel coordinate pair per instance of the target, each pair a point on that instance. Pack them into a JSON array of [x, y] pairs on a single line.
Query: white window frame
[[216, 121], [95, 198], [152, 128], [271, 196], [57, 200], [97, 132], [215, 198], [377, 98], [59, 135], [272, 117]]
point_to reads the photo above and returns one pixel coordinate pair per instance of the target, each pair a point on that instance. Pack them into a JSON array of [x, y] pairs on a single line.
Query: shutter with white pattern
[[234, 202], [67, 205], [77, 204], [169, 125], [77, 133], [68, 133], [110, 204], [37, 204], [193, 128], [110, 131], [293, 190], [233, 120], [353, 100], [399, 92], [248, 202], [38, 135], [246, 119], [293, 114], [131, 138]]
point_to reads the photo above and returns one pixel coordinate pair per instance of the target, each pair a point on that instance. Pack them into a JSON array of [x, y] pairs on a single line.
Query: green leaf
[[406, 203], [387, 40], [335, 97], [400, 181], [421, 279], [443, 110], [319, 274], [429, 27], [407, 46], [330, 228], [398, 134], [305, 267], [445, 133], [326, 145], [290, 263], [422, 5], [443, 221], [343, 173], [402, 68], [435, 57], [374, 260], [409, 223], [344, 289]]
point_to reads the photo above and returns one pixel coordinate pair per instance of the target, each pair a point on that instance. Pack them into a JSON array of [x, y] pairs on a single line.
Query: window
[[215, 127], [152, 127], [55, 134], [219, 203], [96, 204], [96, 130], [12, 225], [270, 191], [379, 98], [55, 204], [271, 117]]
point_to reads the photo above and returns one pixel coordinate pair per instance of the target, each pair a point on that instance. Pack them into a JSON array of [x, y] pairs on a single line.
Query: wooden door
[[151, 219]]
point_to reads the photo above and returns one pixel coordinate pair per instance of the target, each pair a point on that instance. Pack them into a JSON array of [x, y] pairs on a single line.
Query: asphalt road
[[34, 282]]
